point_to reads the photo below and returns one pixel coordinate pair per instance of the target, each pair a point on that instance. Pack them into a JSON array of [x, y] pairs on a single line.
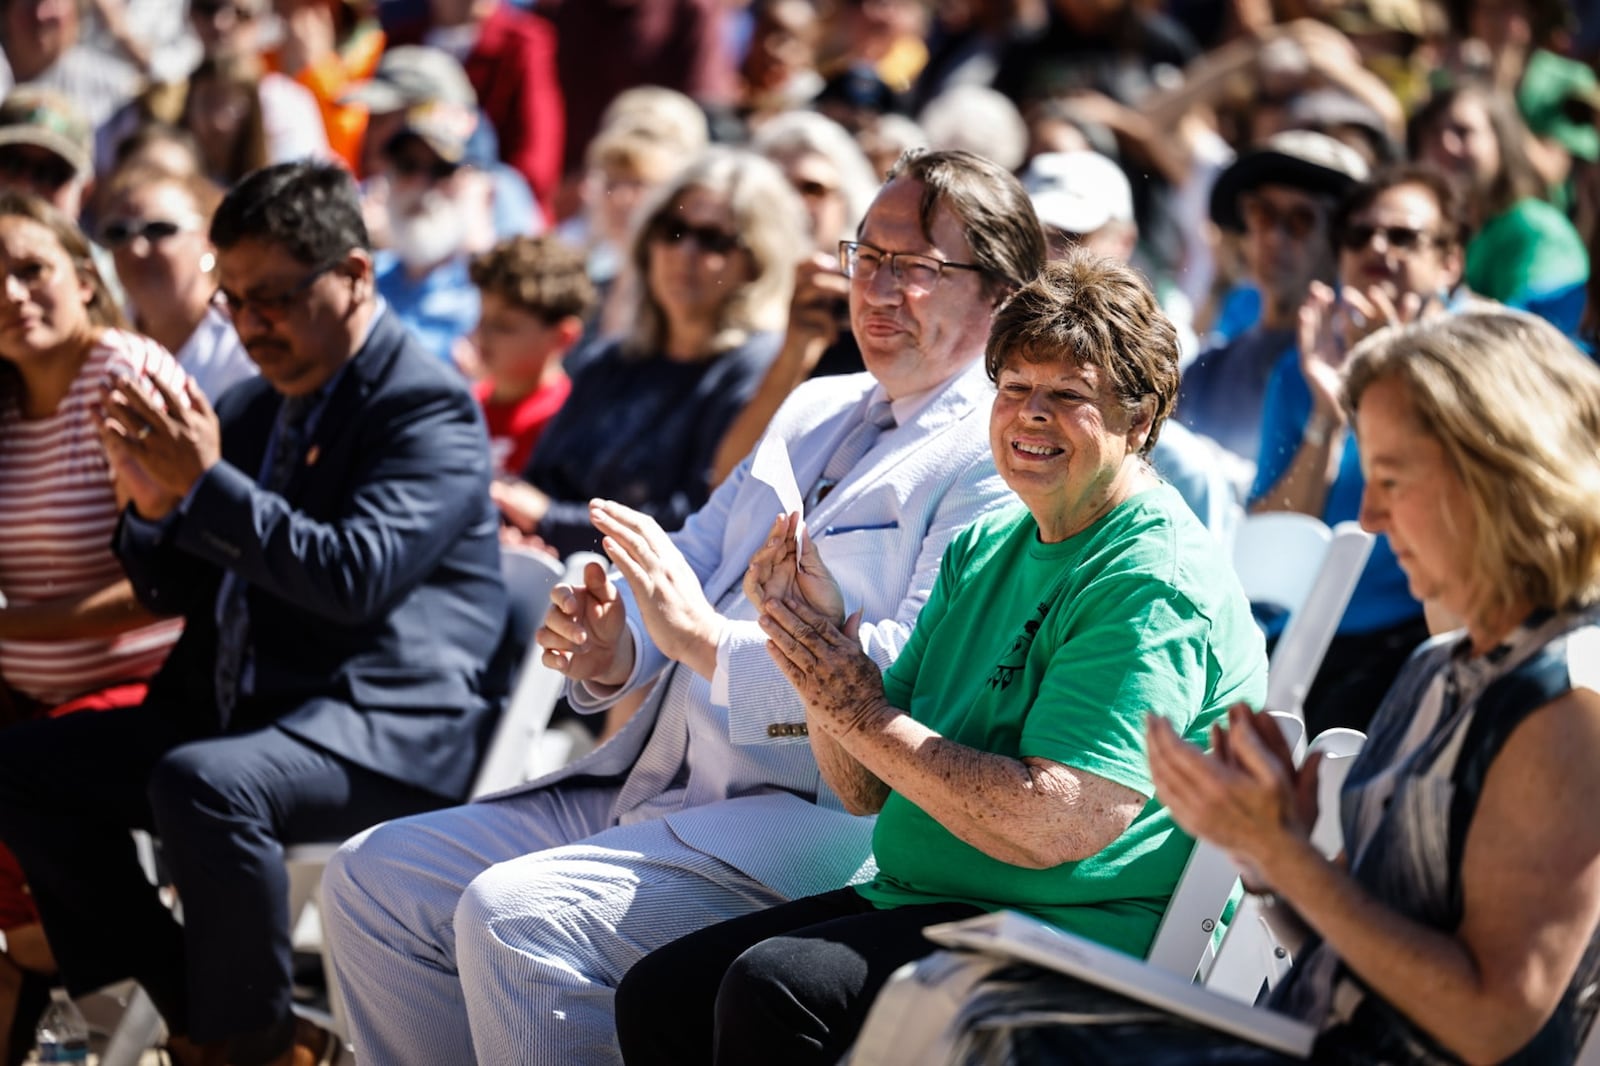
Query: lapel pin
[[313, 454]]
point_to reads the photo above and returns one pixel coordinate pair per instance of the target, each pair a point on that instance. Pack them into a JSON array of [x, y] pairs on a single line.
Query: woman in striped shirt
[[72, 636]]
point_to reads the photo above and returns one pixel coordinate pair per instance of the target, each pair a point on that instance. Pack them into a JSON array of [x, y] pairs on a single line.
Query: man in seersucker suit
[[497, 932]]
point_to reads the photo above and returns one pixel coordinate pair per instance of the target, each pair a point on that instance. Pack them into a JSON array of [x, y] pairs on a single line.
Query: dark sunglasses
[[814, 190], [1357, 236], [706, 238], [1299, 221], [407, 166], [46, 171], [116, 234]]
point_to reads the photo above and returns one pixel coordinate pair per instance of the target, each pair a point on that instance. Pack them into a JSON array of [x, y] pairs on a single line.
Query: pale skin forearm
[[1203, 82], [1430, 976], [103, 612], [1304, 486]]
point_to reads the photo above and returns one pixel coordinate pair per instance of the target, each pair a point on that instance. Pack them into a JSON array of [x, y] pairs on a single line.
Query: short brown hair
[[540, 275], [989, 203], [1088, 310]]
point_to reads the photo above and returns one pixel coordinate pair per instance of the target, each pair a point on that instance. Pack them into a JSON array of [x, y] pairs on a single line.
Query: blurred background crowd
[[620, 219]]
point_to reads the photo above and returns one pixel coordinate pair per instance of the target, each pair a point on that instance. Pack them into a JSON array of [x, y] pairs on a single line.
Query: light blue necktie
[[856, 444]]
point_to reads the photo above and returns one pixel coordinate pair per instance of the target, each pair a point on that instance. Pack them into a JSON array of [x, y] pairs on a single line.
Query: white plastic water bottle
[[63, 1035]]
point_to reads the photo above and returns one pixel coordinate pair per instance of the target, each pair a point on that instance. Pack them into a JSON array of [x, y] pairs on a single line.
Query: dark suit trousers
[[223, 807]]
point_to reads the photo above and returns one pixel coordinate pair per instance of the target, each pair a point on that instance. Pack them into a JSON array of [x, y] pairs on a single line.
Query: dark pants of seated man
[[223, 807], [783, 986]]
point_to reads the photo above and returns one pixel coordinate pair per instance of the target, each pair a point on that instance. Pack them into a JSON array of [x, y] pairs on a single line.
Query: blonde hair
[[1517, 410], [771, 224]]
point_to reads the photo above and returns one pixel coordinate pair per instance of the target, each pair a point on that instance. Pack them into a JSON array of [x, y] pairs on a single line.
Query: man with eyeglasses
[[1278, 197], [328, 537], [497, 932]]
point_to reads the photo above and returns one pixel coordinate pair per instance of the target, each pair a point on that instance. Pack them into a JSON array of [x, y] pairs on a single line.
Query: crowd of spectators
[[312, 307]]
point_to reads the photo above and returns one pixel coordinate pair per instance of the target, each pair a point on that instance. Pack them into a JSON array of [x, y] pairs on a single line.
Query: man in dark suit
[[328, 536]]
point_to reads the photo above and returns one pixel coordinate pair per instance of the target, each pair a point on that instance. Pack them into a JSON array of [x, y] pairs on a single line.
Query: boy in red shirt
[[536, 294]]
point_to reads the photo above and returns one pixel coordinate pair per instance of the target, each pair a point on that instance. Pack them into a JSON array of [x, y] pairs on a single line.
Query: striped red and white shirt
[[57, 515]]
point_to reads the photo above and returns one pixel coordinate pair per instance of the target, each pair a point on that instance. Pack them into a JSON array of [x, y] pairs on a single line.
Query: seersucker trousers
[[497, 932]]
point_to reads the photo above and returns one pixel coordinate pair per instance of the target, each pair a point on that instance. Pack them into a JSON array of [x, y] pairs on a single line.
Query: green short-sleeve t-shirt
[[1058, 651]]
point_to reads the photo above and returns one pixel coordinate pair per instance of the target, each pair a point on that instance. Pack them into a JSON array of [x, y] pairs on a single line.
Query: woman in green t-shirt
[[1003, 751]]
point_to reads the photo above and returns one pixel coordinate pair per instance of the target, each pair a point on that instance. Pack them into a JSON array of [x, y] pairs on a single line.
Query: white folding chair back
[[1276, 555], [1258, 950], [1183, 939], [1314, 621], [529, 578]]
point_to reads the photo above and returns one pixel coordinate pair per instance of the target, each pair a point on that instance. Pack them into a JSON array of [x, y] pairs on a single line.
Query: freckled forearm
[[859, 788], [1002, 806]]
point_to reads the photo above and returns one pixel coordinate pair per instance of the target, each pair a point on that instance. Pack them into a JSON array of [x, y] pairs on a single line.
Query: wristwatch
[[5, 948]]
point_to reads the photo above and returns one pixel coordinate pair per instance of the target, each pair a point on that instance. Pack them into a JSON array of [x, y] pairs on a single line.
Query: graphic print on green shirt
[[1141, 613]]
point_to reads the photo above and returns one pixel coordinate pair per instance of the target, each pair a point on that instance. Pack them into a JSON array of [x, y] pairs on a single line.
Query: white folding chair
[[1276, 555], [1184, 937], [1312, 624], [1259, 947]]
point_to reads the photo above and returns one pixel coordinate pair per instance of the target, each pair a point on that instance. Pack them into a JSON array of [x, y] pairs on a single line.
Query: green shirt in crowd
[[1058, 651], [1525, 252]]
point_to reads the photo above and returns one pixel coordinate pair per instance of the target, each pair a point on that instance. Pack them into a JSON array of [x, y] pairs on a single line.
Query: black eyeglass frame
[[274, 308], [850, 263]]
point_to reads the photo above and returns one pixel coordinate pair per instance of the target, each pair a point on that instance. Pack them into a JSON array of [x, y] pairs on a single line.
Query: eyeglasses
[[45, 170], [860, 262], [273, 307], [1358, 235], [814, 190], [407, 166], [1299, 221], [706, 238], [122, 231]]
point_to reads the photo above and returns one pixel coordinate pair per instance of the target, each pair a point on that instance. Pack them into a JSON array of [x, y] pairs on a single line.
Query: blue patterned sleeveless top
[[1406, 809]]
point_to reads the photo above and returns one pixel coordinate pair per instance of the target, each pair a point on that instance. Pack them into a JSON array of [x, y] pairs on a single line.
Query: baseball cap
[[1078, 192], [1301, 159], [44, 118], [450, 130], [412, 74]]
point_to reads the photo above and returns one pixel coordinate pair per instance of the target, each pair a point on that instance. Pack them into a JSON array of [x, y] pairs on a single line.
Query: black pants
[[1356, 673], [223, 807], [791, 984]]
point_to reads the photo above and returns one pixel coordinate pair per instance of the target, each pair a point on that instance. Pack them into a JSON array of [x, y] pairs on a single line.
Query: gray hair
[[806, 132], [771, 223]]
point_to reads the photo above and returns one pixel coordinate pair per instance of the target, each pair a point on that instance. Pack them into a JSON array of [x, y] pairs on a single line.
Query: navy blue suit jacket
[[374, 584]]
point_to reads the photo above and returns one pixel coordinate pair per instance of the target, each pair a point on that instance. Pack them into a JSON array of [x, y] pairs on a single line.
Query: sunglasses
[[814, 190], [1299, 221], [121, 231], [706, 238], [1357, 236], [407, 166], [45, 171]]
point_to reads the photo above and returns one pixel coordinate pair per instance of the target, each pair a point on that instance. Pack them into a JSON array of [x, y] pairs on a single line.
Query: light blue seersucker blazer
[[881, 531]]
